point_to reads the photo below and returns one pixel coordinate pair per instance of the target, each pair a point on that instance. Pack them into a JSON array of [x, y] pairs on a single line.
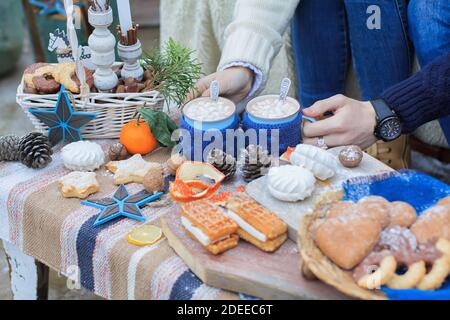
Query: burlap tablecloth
[[59, 232]]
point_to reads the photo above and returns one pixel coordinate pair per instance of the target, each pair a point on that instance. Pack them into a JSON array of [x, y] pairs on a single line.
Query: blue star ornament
[[64, 124], [122, 204]]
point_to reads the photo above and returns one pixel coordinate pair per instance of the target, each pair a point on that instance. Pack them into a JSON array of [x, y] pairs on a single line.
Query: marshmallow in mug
[[207, 110], [271, 107]]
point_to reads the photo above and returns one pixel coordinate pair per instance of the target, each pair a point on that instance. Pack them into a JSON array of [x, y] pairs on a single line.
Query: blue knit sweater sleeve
[[423, 97]]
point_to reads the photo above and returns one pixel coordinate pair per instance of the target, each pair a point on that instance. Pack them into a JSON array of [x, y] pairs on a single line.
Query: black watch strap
[[388, 126], [382, 110]]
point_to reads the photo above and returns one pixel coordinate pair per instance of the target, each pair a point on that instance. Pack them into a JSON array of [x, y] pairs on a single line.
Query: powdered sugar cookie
[[341, 208], [130, 170], [347, 239], [402, 214], [79, 184], [433, 224], [377, 208]]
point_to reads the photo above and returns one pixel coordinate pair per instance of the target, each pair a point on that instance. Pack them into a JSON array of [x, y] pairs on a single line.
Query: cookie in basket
[[433, 223], [425, 258], [320, 265], [426, 265], [45, 78], [347, 239], [388, 214]]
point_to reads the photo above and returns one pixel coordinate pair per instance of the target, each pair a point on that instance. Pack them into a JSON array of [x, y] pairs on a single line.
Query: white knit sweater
[[201, 26], [256, 34]]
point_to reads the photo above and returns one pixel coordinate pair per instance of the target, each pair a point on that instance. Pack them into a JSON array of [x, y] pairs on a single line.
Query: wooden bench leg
[[29, 278]]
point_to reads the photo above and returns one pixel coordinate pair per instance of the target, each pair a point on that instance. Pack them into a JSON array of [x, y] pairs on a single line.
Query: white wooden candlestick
[[102, 44], [130, 56]]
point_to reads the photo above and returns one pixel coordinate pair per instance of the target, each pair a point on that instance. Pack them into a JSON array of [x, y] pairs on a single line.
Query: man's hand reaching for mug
[[235, 84], [353, 122]]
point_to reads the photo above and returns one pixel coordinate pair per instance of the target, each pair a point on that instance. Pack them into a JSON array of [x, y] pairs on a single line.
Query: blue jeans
[[429, 28], [328, 34]]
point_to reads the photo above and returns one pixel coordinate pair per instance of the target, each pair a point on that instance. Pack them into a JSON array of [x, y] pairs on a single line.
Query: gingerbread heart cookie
[[347, 239]]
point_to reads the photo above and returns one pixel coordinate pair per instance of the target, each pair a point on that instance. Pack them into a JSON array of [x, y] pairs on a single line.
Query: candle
[[73, 40], [126, 23]]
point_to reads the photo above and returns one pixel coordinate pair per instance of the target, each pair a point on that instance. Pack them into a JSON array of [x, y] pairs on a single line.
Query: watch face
[[390, 129]]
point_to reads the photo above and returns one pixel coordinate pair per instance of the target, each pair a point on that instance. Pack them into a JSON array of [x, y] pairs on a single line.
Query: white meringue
[[320, 162], [83, 156], [290, 183]]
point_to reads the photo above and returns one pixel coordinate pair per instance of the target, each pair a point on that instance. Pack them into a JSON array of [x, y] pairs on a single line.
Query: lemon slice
[[144, 235]]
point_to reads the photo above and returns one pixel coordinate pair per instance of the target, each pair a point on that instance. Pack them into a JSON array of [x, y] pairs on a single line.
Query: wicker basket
[[322, 267], [113, 109]]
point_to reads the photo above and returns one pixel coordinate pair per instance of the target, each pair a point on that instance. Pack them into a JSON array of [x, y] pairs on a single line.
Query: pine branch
[[175, 71]]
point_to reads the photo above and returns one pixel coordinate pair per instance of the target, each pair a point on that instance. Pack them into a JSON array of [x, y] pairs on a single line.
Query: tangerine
[[137, 137]]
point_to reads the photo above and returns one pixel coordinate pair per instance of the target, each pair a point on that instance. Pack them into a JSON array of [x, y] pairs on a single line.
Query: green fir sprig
[[175, 71]]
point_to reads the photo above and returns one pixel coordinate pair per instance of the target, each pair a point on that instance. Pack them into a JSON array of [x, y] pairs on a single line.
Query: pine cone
[[256, 163], [35, 150], [9, 148], [223, 162]]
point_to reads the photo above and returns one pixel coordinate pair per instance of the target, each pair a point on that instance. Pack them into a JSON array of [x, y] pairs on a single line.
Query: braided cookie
[[402, 243], [410, 278], [440, 269], [375, 270]]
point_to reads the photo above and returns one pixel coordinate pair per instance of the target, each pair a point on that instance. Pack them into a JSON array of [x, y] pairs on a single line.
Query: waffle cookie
[[257, 225], [205, 222]]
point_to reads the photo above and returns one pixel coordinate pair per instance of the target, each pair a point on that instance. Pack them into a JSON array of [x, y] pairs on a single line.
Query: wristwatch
[[389, 126]]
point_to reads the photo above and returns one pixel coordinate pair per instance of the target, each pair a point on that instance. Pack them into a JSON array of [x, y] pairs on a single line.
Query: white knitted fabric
[[201, 25]]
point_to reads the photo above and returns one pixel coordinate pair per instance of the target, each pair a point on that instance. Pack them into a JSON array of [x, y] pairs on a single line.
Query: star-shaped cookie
[[64, 124], [79, 184], [131, 170], [121, 204]]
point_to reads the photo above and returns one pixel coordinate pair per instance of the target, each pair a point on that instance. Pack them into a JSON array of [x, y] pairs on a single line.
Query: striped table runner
[[59, 232]]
